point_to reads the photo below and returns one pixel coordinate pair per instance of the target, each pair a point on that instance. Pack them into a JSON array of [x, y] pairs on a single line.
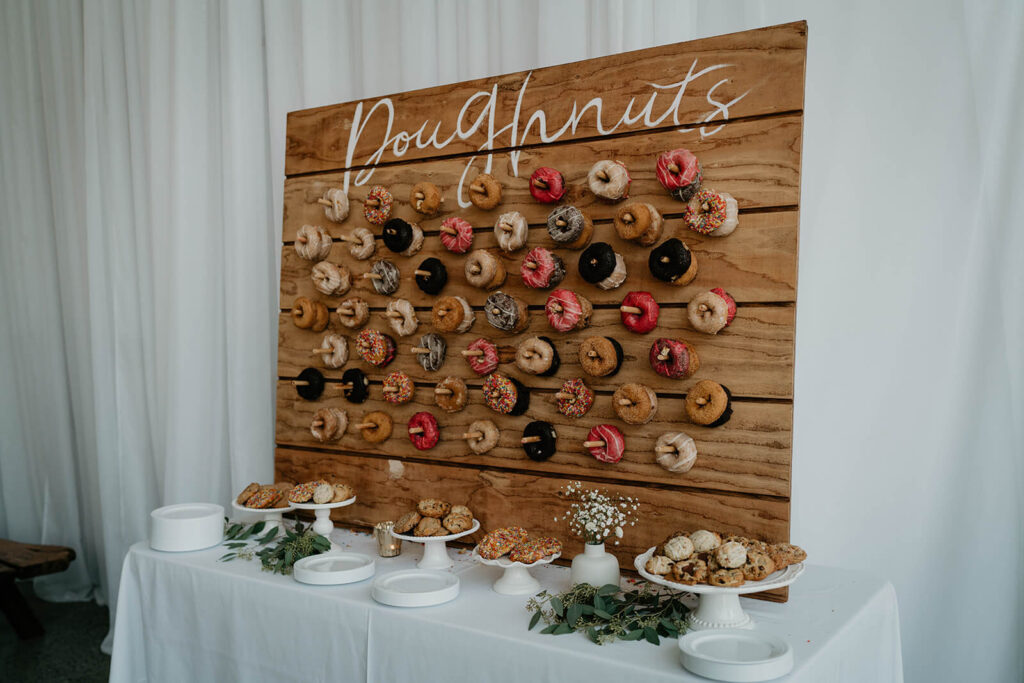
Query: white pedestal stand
[[435, 550], [517, 579], [271, 516], [323, 524]]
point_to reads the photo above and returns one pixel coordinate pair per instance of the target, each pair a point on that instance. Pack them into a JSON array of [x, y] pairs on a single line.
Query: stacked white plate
[[186, 526], [737, 655], [334, 568], [415, 588]]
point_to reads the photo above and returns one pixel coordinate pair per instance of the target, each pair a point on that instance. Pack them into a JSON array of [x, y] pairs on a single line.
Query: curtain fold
[[141, 176]]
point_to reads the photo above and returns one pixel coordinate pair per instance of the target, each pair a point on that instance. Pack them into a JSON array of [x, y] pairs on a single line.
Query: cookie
[[785, 554], [704, 541], [730, 555], [433, 507], [342, 492], [678, 548], [659, 564], [407, 522], [456, 524], [303, 493], [726, 578], [429, 526], [324, 493], [758, 566], [266, 497], [500, 541], [461, 510], [690, 572], [247, 493]]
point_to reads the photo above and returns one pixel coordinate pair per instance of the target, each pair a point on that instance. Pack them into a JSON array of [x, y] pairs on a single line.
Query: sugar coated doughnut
[[712, 213], [570, 227], [313, 243], [676, 452], [575, 398], [537, 356], [456, 234], [452, 314], [635, 404], [547, 185], [640, 222], [398, 388], [680, 173], [600, 356], [511, 230], [609, 180], [484, 356], [431, 351], [328, 424], [423, 431], [355, 386], [361, 244], [485, 192], [335, 203], [671, 261], [431, 276], [539, 440], [331, 279], [402, 317], [353, 312], [310, 384], [377, 206], [566, 310], [506, 313], [337, 355], [484, 270], [673, 358], [376, 426], [709, 404], [600, 265], [451, 394], [385, 277], [504, 395], [402, 237], [308, 314], [606, 443], [425, 198], [375, 347], [639, 312], [481, 436], [710, 312], [542, 269]]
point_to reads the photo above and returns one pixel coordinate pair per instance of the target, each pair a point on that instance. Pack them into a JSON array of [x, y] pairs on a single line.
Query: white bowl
[[186, 526]]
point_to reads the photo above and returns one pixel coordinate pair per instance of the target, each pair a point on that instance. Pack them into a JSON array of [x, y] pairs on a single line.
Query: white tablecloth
[[188, 617]]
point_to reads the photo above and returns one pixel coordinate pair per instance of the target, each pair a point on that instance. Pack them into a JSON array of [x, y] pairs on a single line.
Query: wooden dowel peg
[[345, 238], [346, 310], [477, 187], [703, 308], [591, 354], [495, 311], [371, 276], [442, 313], [562, 396], [705, 207], [327, 350], [301, 239], [469, 353], [390, 390], [561, 222], [420, 349], [449, 230], [665, 259], [540, 184], [419, 195], [532, 265], [556, 307], [442, 391], [421, 273], [474, 269], [628, 217], [506, 227], [366, 425], [593, 444], [394, 314], [631, 309], [674, 168], [664, 449], [625, 402], [415, 430], [664, 354], [373, 202], [472, 435], [701, 401], [529, 439], [343, 385], [318, 422], [603, 176], [325, 202], [300, 383]]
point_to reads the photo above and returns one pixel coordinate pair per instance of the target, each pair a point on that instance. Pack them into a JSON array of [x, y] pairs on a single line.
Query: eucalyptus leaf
[[651, 635], [556, 605], [534, 620], [259, 526], [608, 589], [550, 628], [602, 614], [573, 614], [226, 556], [562, 628]]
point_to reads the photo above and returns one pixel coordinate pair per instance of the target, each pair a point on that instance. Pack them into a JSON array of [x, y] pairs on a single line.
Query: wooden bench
[[25, 561]]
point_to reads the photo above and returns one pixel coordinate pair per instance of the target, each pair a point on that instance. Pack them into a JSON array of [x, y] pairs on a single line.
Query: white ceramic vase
[[595, 566]]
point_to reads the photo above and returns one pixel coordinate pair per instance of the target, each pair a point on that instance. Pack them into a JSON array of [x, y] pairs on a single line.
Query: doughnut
[[712, 311], [676, 452], [451, 394], [506, 313], [639, 312], [709, 404], [385, 277], [712, 213], [539, 440], [731, 555], [308, 314], [542, 269], [673, 358], [402, 317], [640, 222], [680, 173], [431, 276], [431, 351], [402, 237], [484, 270], [313, 243], [353, 312], [575, 398], [504, 395], [328, 424], [635, 404], [336, 354], [609, 180], [331, 279], [425, 198], [377, 205], [481, 436], [600, 356], [485, 192], [361, 244], [335, 203], [456, 234], [355, 387], [547, 185], [570, 227], [511, 230], [376, 426], [672, 261], [566, 310], [423, 431], [537, 356], [398, 388], [310, 384], [600, 265], [484, 356], [606, 443], [375, 347], [452, 314]]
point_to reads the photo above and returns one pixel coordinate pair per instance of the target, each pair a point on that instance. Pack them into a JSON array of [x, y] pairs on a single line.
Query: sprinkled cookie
[[500, 541], [247, 493]]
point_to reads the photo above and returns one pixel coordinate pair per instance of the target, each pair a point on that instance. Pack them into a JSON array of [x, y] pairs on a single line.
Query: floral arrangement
[[297, 543], [595, 514]]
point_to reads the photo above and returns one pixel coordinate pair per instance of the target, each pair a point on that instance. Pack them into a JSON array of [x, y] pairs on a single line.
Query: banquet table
[[187, 616]]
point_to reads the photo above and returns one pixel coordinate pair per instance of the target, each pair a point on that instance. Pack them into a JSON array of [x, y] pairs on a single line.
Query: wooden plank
[[758, 162], [742, 74], [29, 560], [753, 356], [750, 454]]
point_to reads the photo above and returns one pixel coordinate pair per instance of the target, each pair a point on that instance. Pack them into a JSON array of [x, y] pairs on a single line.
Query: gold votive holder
[[387, 544]]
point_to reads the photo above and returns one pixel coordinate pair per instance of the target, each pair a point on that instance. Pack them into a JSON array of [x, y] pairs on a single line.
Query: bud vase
[[595, 566]]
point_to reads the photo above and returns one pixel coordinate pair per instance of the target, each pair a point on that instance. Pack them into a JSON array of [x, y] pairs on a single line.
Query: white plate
[[415, 588], [449, 537], [334, 568], [323, 506], [505, 563], [262, 511], [739, 656], [186, 526]]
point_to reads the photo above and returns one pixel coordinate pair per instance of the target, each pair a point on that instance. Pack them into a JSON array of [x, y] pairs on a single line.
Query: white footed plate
[[740, 656], [415, 588], [435, 552], [517, 579], [334, 568]]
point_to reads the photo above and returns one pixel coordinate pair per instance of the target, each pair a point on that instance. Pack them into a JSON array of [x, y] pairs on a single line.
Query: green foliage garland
[[298, 543]]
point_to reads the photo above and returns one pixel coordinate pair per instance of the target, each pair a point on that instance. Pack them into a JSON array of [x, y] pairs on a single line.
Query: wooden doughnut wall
[[736, 101]]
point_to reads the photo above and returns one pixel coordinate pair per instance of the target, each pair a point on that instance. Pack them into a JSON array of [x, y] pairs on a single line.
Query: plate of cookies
[[433, 523], [264, 497], [321, 494], [514, 550]]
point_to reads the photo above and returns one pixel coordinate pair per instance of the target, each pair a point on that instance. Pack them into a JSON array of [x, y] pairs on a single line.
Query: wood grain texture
[[764, 72]]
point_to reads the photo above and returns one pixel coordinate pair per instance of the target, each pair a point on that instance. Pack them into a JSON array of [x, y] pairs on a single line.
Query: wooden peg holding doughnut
[[371, 276], [301, 239], [366, 425], [390, 390], [532, 265], [342, 385], [449, 230], [420, 349], [562, 396], [529, 439], [664, 354], [372, 202], [631, 309], [473, 352], [560, 222], [321, 351], [300, 383], [701, 401], [421, 273], [540, 184], [628, 217], [506, 227], [419, 196], [603, 175], [664, 449], [593, 444], [416, 430], [325, 202], [441, 391], [477, 187], [472, 435], [625, 402], [393, 314], [556, 307], [674, 168], [474, 269], [665, 259]]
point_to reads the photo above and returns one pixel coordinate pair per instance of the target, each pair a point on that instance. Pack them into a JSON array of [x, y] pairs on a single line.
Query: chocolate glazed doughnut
[[402, 237], [310, 384], [672, 262], [539, 440], [355, 387], [431, 276], [600, 265]]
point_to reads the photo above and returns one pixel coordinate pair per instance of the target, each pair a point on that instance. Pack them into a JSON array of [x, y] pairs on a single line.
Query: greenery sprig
[[297, 543], [608, 613]]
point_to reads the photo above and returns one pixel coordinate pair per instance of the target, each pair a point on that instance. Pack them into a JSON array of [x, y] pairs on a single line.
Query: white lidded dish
[[415, 588], [334, 568], [736, 655], [186, 526]]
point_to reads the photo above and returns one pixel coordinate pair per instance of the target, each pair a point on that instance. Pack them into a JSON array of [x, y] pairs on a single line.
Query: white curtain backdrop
[[141, 170]]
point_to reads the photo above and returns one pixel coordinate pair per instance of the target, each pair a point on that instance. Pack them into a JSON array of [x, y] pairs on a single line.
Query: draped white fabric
[[141, 162]]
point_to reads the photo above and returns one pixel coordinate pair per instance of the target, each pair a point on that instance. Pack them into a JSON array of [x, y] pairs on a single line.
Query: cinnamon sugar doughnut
[[452, 314], [353, 312], [451, 394], [309, 315], [361, 244], [313, 243], [484, 270], [635, 404], [709, 404], [331, 279], [376, 427], [425, 198], [600, 356], [335, 203], [485, 192], [481, 436]]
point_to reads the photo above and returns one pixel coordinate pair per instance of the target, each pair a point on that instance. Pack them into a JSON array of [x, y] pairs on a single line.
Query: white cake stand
[[271, 516], [517, 579], [323, 524], [718, 606], [435, 552]]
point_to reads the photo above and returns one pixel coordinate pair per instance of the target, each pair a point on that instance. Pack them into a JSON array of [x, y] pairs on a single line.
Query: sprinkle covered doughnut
[[310, 384], [377, 206], [709, 404], [385, 277], [375, 347], [600, 356], [484, 270], [566, 310], [376, 427], [506, 313], [423, 431], [606, 443], [537, 356], [331, 279], [456, 234], [451, 394], [547, 185], [338, 353], [640, 222], [335, 203], [511, 230], [639, 312], [431, 351], [402, 317], [504, 395], [313, 242], [539, 440], [485, 192], [398, 388], [673, 262], [680, 173], [425, 198], [635, 404], [484, 356], [353, 312], [328, 424], [402, 237], [609, 180], [452, 314], [355, 386], [481, 436], [673, 358], [601, 265], [431, 276], [570, 227], [542, 269], [712, 213], [361, 244], [712, 311], [575, 398]]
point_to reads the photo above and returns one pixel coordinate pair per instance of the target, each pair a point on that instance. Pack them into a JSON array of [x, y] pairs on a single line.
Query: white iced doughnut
[[331, 279], [362, 244], [511, 231], [682, 456], [337, 211], [402, 317], [312, 243], [338, 354]]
